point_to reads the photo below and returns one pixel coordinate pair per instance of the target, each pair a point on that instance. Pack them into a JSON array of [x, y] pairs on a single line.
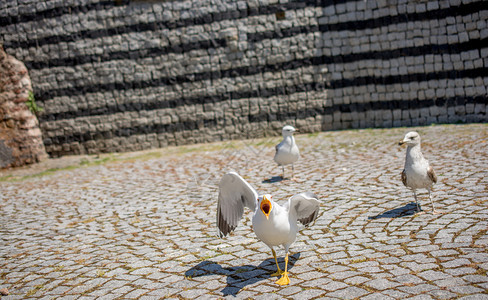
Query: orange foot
[[284, 280]]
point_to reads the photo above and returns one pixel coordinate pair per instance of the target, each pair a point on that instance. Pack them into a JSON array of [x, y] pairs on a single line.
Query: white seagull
[[287, 151], [417, 172], [273, 224]]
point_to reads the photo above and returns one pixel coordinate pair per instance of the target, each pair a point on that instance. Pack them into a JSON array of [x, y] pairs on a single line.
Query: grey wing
[[306, 207], [404, 177], [277, 147], [235, 193], [431, 174]]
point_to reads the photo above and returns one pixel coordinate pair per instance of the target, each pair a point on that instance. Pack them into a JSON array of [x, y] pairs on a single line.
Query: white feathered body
[[416, 169], [279, 229], [287, 151]]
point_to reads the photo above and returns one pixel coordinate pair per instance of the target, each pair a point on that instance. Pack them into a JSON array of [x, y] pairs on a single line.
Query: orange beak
[[266, 207]]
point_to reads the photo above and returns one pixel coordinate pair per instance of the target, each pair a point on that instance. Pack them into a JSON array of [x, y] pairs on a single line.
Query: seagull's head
[[288, 130], [411, 139], [265, 205]]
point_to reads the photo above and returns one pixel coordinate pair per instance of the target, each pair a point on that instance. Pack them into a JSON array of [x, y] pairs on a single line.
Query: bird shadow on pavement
[[274, 179], [407, 210], [241, 276]]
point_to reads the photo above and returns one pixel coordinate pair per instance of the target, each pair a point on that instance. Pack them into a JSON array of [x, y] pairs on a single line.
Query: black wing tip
[[310, 219], [224, 227], [223, 232]]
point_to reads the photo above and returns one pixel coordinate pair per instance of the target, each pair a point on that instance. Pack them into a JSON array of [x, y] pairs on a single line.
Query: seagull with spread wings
[[417, 172], [273, 224]]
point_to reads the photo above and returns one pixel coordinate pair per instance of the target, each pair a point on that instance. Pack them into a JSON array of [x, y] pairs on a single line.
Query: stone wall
[[121, 76], [20, 137]]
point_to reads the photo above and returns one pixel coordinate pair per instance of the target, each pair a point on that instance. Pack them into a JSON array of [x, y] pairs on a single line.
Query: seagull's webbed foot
[[284, 280], [279, 272], [421, 212]]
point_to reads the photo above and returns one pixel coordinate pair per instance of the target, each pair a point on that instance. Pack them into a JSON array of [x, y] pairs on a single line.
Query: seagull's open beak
[[266, 207], [401, 142]]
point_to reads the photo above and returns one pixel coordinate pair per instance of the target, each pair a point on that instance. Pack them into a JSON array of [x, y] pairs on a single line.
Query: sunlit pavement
[[143, 226]]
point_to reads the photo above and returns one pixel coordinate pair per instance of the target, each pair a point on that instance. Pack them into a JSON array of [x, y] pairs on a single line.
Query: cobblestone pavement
[[142, 225]]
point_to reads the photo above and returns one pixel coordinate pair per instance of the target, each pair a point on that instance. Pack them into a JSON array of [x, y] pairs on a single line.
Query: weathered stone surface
[[20, 138], [111, 75]]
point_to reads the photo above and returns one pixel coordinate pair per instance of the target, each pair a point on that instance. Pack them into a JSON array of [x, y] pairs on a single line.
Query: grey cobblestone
[[141, 225]]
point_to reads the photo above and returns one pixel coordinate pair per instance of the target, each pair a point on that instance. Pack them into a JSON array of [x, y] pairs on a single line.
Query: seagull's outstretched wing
[[306, 206], [235, 193]]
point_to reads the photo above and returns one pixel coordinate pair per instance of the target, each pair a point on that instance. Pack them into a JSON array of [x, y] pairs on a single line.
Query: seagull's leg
[[416, 201], [284, 280], [432, 201], [293, 172], [283, 169], [278, 272]]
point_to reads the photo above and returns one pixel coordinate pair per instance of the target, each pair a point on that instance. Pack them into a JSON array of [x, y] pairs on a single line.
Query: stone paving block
[[107, 293], [417, 289], [307, 294], [397, 271], [381, 284], [287, 291], [334, 285], [433, 275], [396, 294], [351, 292], [460, 271], [416, 267], [193, 293], [475, 278], [456, 263], [465, 289], [267, 296], [474, 297], [442, 294], [162, 292], [121, 290]]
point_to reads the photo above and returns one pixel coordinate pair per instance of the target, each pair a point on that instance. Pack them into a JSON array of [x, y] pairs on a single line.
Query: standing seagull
[[273, 224], [287, 151], [417, 172]]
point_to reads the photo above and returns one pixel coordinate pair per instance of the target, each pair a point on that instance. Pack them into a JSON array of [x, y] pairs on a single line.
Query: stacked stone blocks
[[122, 76]]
